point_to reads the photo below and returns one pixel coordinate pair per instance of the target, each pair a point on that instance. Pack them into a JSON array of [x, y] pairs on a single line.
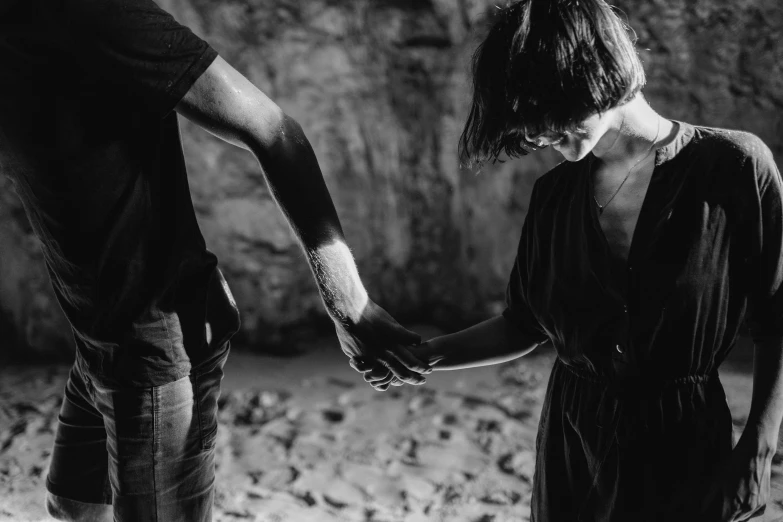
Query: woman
[[639, 258]]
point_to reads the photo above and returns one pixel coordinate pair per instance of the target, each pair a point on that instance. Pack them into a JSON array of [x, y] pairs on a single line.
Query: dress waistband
[[639, 385], [623, 407]]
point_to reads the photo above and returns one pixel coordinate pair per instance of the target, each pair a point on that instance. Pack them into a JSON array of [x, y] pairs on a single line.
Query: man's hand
[[743, 490], [381, 378], [376, 343], [377, 375]]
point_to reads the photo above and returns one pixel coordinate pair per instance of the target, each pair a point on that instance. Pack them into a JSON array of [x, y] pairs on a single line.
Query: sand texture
[[304, 439]]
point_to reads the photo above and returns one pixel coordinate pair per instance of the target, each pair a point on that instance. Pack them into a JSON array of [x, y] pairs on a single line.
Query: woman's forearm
[[493, 341], [766, 410]]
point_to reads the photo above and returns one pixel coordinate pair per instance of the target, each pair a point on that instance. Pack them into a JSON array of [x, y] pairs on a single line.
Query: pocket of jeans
[[206, 394]]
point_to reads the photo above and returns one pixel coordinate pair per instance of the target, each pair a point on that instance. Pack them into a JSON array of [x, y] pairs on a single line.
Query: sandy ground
[[304, 439]]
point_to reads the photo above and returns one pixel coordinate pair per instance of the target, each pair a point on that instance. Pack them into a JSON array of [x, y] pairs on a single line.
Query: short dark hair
[[544, 66]]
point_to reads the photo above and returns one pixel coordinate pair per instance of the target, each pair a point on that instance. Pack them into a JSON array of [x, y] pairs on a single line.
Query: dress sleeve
[[517, 310], [765, 307], [134, 48]]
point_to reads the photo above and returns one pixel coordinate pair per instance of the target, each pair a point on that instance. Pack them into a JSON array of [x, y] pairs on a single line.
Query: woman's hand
[[380, 378], [743, 490], [428, 352]]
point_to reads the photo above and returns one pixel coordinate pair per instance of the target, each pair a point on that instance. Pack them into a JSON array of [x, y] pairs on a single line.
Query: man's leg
[[68, 510], [78, 483], [161, 447]]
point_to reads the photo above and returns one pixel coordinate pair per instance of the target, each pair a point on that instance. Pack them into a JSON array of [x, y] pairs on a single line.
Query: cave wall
[[381, 90]]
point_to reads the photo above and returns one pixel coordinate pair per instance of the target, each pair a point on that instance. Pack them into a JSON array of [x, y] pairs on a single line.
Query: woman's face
[[590, 134]]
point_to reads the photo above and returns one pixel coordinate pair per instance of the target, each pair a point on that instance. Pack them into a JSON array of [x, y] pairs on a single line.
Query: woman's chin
[[566, 152], [569, 153]]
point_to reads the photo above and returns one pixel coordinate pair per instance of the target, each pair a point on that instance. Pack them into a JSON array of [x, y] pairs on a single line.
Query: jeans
[[148, 451]]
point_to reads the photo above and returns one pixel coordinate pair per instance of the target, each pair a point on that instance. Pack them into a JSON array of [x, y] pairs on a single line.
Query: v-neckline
[[682, 137], [614, 256]]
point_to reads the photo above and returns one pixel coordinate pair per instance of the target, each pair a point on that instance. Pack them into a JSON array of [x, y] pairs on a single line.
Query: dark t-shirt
[[91, 143]]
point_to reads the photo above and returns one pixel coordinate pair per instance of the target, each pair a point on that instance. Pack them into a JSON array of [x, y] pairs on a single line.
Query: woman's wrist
[[436, 352], [430, 352], [762, 440]]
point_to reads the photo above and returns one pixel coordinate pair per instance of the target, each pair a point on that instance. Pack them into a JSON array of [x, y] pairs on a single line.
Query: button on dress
[[635, 423]]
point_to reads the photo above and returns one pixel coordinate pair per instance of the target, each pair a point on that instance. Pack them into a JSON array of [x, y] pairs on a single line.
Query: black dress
[[635, 422]]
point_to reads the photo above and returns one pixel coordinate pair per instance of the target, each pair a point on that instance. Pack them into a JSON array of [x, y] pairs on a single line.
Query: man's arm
[[226, 104]]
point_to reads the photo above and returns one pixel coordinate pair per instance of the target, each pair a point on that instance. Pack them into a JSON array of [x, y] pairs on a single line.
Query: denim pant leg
[[161, 444], [78, 467]]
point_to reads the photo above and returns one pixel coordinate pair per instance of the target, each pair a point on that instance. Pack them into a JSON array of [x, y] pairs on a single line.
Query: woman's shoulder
[[731, 144], [741, 157]]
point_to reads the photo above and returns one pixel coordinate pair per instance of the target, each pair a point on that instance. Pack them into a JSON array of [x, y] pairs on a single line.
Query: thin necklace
[[655, 140]]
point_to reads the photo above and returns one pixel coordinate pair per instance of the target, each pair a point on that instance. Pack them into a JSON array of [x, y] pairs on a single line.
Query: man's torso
[[90, 142]]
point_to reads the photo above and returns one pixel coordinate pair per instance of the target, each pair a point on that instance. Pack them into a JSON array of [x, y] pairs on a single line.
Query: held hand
[[376, 343], [380, 378], [743, 490], [428, 352]]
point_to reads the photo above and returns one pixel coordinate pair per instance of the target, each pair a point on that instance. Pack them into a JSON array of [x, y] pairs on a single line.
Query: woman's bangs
[[561, 116]]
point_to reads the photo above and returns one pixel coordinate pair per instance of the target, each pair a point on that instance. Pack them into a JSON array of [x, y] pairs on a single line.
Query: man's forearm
[[493, 341], [766, 410], [225, 103], [338, 280], [295, 180]]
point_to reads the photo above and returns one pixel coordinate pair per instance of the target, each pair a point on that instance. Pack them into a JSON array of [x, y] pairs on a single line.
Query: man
[[90, 139]]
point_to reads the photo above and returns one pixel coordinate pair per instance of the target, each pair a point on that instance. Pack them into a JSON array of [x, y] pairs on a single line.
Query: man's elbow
[[226, 104], [278, 134]]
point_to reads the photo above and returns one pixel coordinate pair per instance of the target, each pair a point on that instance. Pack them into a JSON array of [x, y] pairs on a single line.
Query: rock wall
[[381, 89]]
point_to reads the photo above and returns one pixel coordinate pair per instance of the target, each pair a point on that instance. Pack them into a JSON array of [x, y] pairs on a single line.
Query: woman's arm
[[746, 482], [766, 409], [745, 487], [493, 341]]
